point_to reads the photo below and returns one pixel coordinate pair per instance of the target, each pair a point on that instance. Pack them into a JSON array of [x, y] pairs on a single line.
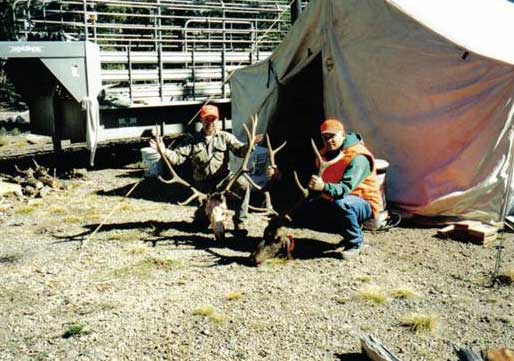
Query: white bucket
[[150, 157]]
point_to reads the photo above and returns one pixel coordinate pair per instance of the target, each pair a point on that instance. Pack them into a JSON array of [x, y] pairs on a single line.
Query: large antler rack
[[176, 179], [243, 169], [271, 154], [323, 165]]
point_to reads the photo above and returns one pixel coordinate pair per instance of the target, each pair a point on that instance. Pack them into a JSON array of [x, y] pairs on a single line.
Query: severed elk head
[[276, 242], [215, 203]]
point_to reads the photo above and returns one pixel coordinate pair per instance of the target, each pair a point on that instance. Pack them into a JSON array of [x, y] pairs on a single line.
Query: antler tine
[[304, 191], [272, 151], [323, 164], [175, 178], [244, 165]]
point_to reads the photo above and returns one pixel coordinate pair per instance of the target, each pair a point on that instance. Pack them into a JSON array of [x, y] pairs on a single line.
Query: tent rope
[[108, 216]]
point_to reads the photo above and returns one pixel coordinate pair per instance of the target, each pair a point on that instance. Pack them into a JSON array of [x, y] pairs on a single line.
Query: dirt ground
[[147, 285]]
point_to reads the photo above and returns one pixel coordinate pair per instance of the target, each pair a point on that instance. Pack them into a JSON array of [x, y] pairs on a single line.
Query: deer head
[[276, 242]]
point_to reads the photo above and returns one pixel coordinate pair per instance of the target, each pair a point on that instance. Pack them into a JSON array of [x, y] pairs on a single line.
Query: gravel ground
[[148, 286]]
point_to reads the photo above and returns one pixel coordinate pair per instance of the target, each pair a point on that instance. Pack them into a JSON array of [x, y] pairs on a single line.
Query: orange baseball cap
[[209, 111], [331, 126]]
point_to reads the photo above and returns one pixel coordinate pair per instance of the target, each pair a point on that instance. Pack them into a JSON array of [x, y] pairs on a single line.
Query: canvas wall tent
[[429, 84]]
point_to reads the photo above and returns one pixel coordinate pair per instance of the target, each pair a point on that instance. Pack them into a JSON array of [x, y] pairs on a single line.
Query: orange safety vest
[[368, 189]]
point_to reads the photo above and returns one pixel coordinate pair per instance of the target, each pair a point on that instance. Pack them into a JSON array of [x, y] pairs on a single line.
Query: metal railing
[[162, 50]]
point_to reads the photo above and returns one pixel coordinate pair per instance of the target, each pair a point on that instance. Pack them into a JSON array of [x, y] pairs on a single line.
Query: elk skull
[[275, 242], [216, 212]]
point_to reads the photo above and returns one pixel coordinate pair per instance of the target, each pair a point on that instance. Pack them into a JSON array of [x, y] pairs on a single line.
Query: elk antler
[[323, 164], [176, 179], [272, 152], [243, 169]]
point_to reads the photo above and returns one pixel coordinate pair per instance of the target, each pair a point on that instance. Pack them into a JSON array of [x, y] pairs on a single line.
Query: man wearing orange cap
[[346, 193], [208, 151]]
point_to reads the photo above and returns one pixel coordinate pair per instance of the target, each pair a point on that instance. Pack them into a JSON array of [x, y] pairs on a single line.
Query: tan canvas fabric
[[436, 110]]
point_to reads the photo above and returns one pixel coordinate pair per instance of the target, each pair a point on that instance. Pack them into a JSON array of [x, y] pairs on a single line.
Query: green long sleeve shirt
[[209, 155], [358, 169]]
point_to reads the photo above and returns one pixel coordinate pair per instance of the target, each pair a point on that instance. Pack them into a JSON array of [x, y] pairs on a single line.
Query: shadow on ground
[[351, 357], [202, 239]]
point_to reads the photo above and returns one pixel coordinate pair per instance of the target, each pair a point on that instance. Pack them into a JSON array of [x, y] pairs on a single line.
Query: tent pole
[[506, 200]]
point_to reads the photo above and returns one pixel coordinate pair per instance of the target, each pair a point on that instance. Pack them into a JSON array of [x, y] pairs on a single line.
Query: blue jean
[[343, 216]]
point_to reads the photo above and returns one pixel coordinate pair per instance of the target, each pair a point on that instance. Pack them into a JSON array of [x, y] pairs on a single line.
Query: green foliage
[[75, 329]]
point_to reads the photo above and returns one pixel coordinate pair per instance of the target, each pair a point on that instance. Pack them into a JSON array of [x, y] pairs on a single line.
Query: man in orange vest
[[348, 189]]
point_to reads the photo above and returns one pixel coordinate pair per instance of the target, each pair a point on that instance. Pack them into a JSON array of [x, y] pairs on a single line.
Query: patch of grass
[[403, 293], [342, 300], [364, 278], [15, 132], [57, 210], [205, 311], [20, 143], [373, 295], [233, 296], [3, 131], [217, 318], [166, 264], [137, 249], [75, 329], [208, 311], [25, 210], [143, 268], [133, 235], [71, 219], [3, 140], [420, 322], [125, 207]]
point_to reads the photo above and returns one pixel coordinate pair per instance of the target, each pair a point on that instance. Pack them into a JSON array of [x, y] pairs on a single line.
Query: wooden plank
[[375, 350], [464, 225], [482, 231], [446, 231]]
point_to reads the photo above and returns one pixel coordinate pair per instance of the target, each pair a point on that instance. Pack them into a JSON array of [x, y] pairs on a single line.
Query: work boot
[[350, 252], [240, 228]]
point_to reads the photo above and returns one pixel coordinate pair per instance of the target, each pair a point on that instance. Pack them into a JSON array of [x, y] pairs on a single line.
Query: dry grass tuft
[[364, 278], [133, 235], [136, 249], [217, 318], [71, 220], [342, 300], [57, 210], [208, 311], [403, 293], [233, 296], [166, 264], [373, 295], [25, 210], [205, 311], [141, 269], [75, 329], [420, 323]]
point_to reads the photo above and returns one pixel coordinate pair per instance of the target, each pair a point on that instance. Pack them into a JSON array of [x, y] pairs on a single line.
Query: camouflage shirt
[[209, 155]]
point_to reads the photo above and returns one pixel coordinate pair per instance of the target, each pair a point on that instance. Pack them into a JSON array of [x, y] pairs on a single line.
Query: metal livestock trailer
[[93, 70]]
